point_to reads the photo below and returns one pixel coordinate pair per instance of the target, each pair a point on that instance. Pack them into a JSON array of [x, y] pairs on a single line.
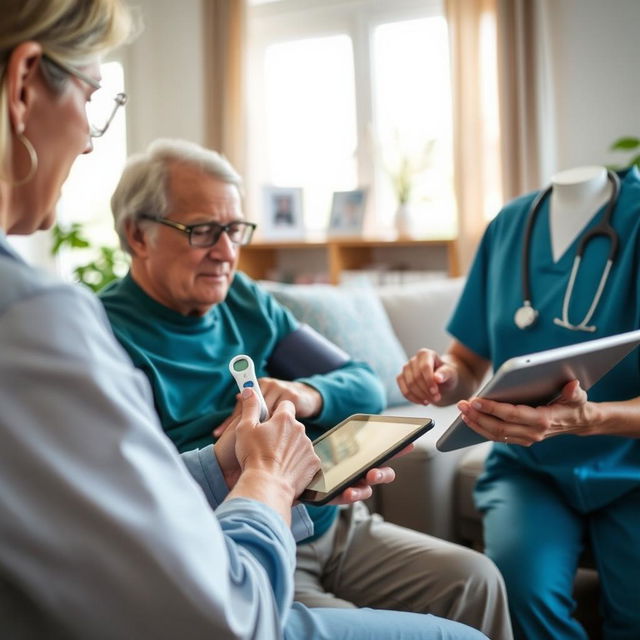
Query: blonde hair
[[76, 32]]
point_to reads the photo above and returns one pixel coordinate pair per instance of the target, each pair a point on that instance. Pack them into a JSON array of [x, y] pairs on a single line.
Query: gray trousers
[[363, 561]]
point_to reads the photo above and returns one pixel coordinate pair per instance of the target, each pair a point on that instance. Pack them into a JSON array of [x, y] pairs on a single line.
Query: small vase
[[403, 219]]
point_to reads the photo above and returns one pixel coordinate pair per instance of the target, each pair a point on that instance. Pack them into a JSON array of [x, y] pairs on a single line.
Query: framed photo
[[282, 213], [347, 212]]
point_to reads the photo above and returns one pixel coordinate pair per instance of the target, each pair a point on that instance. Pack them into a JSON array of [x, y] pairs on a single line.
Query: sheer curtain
[[520, 155], [526, 95], [224, 67], [469, 69]]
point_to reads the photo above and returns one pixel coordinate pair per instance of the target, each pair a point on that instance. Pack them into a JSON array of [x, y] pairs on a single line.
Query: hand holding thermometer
[[244, 373]]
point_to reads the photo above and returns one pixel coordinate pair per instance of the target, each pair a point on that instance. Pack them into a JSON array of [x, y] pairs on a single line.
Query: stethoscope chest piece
[[525, 316]]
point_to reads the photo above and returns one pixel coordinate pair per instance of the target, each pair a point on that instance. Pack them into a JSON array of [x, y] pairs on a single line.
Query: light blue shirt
[[594, 470], [105, 534]]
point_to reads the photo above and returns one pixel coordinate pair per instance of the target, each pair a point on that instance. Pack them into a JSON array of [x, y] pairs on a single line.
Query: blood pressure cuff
[[305, 352]]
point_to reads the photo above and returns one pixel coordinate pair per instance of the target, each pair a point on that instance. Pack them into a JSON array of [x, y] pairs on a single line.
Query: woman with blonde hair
[[104, 532]]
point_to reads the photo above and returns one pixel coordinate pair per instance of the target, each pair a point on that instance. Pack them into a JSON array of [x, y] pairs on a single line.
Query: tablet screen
[[355, 445]]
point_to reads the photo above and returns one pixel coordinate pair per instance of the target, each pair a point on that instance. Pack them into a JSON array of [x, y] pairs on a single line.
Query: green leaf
[[635, 160], [78, 243], [625, 144]]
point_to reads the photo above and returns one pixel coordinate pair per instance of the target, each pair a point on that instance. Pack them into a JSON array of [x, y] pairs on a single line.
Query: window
[[350, 94], [87, 192], [310, 119], [412, 115]]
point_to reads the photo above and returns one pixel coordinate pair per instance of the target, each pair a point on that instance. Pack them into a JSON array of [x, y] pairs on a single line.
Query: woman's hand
[[524, 425], [430, 378], [426, 377], [278, 450]]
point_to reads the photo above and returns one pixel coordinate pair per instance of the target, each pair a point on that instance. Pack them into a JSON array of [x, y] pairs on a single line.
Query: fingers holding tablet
[[354, 450], [525, 425]]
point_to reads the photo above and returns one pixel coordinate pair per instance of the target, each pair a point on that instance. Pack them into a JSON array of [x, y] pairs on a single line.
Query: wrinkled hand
[[306, 400], [524, 425], [231, 419], [225, 451], [279, 446], [426, 377]]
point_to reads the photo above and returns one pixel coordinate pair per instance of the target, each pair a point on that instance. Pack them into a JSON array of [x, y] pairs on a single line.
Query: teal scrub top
[[186, 360], [593, 470]]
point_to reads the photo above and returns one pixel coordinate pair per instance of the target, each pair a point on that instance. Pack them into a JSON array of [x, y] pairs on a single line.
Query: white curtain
[[527, 114], [466, 19], [225, 110]]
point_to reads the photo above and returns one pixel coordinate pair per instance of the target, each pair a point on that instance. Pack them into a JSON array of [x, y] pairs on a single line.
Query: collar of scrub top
[[527, 315]]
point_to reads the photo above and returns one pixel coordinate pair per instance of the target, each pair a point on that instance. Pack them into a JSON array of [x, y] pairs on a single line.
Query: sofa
[[384, 326]]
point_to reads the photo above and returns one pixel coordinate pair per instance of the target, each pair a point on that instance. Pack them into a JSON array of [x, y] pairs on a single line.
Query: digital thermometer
[[244, 373]]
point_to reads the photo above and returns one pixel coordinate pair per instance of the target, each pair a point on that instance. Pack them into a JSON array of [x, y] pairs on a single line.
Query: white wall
[[164, 73], [597, 91]]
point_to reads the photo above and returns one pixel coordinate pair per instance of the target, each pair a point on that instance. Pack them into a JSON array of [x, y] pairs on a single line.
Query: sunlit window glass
[[87, 192], [413, 125], [311, 120], [491, 122]]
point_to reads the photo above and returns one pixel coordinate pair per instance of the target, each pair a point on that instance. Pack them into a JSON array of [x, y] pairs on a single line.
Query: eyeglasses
[[102, 108], [206, 234]]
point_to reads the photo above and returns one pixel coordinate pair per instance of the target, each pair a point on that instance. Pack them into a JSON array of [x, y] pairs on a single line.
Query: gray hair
[[143, 188]]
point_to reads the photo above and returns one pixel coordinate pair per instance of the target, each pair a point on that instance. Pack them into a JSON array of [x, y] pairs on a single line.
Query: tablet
[[357, 444], [538, 378]]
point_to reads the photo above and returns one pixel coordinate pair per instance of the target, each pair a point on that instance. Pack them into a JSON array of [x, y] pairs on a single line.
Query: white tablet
[[538, 378]]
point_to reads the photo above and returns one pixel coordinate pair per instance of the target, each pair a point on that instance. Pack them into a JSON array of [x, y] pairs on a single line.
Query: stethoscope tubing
[[603, 228]]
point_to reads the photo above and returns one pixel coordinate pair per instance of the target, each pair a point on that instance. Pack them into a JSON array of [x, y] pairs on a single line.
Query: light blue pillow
[[353, 318]]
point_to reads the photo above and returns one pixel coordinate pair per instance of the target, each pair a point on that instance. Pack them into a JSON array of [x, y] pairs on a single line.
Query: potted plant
[[404, 168], [628, 144], [107, 264]]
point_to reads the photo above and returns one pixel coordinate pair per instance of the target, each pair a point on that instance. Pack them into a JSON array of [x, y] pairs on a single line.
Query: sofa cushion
[[353, 318], [419, 312]]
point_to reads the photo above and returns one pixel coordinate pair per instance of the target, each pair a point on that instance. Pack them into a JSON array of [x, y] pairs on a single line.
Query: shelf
[[330, 257]]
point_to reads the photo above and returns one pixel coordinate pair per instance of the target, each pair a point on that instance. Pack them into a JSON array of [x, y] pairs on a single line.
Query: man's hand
[[306, 400], [363, 489]]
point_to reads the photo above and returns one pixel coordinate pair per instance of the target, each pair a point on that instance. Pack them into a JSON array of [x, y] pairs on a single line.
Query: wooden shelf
[[261, 259]]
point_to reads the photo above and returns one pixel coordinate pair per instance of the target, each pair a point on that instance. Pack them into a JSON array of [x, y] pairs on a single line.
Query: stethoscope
[[527, 315]]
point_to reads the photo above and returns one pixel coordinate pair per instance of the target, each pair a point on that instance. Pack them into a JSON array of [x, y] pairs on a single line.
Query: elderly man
[[184, 311]]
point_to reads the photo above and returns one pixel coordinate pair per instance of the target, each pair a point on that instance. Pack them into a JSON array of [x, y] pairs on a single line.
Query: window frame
[[288, 20]]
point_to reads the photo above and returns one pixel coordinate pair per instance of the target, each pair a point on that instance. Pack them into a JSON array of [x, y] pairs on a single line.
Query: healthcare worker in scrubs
[[566, 475]]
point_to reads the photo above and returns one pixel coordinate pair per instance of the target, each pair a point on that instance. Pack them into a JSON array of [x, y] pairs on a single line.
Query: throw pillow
[[353, 318], [419, 312]]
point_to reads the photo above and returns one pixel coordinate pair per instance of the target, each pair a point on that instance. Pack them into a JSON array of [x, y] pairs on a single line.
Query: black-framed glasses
[[102, 108], [206, 234]]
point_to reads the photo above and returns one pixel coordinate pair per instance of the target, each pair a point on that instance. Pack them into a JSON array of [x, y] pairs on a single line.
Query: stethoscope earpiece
[[526, 315]]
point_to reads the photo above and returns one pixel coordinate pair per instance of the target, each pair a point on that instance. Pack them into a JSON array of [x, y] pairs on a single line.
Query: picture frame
[[282, 213], [347, 212]]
